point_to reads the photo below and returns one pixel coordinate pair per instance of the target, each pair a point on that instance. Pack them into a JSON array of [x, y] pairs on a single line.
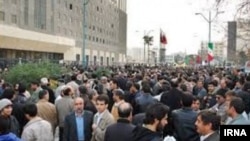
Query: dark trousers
[[60, 133]]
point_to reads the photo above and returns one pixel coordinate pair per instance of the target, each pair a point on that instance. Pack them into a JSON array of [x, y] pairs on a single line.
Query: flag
[[163, 38], [198, 59]]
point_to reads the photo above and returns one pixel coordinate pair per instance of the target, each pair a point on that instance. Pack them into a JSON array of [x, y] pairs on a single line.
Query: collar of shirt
[[205, 136], [79, 115], [99, 115]]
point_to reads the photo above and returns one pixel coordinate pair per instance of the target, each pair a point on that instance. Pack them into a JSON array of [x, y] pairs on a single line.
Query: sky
[[184, 30]]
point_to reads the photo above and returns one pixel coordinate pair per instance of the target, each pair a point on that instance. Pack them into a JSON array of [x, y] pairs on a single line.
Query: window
[[107, 61], [101, 60], [26, 12], [97, 8], [13, 19], [70, 6], [58, 29], [2, 16], [96, 39], [94, 28]]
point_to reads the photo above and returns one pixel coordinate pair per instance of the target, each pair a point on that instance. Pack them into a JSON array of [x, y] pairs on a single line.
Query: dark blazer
[[70, 128], [213, 137], [120, 131], [184, 124]]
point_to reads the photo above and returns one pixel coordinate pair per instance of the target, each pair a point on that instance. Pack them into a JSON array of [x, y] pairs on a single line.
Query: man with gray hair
[[118, 97], [122, 130]]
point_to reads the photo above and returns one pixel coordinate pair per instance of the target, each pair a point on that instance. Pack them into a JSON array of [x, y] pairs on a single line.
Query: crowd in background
[[133, 103]]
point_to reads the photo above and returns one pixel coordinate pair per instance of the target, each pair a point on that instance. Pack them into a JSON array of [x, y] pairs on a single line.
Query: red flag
[[163, 38], [198, 59]]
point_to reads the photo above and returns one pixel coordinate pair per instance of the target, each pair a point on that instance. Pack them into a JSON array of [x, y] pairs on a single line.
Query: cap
[[4, 103], [44, 80]]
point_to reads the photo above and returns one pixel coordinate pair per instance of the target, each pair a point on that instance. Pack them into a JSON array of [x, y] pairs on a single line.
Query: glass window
[[70, 6], [13, 19], [2, 16]]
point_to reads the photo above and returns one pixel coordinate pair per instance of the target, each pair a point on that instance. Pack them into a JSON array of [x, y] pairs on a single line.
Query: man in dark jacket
[[77, 125], [184, 121], [154, 122], [122, 130]]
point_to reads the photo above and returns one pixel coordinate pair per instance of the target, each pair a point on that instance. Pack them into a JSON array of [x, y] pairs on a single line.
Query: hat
[[4, 103], [44, 80]]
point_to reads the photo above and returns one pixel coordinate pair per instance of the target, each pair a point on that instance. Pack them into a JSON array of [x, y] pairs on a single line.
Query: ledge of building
[[36, 36]]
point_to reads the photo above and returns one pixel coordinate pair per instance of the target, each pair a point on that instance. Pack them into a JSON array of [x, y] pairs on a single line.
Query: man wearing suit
[[122, 130], [77, 125], [102, 119], [208, 124]]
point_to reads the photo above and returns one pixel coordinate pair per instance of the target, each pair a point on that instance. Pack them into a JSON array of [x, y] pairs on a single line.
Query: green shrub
[[26, 73], [102, 72]]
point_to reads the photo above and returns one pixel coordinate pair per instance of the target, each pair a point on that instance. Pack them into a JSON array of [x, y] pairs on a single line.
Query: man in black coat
[[122, 130], [77, 125]]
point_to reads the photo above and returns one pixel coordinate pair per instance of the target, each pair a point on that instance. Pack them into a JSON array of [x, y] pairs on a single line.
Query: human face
[[228, 109], [7, 110], [112, 85], [162, 123], [223, 84], [101, 106], [210, 88], [199, 84], [79, 105], [196, 105], [220, 99], [201, 128]]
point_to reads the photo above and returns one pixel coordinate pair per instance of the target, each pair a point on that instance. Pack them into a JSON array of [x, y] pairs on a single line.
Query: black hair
[[8, 93], [66, 91], [82, 89], [155, 111], [42, 93], [187, 100], [210, 117], [21, 88], [30, 109], [238, 105], [104, 98]]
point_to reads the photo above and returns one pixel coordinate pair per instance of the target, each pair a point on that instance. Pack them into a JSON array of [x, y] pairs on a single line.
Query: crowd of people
[[132, 104]]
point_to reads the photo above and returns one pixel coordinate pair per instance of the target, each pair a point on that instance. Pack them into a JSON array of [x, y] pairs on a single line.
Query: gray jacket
[[64, 106]]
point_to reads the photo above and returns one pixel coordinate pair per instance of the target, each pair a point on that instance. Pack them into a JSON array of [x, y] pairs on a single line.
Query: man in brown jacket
[[46, 110]]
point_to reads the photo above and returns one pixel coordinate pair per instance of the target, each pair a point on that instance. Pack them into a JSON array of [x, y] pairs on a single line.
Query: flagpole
[[160, 49]]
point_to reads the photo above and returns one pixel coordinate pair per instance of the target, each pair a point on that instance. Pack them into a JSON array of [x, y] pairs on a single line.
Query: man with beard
[[154, 122], [77, 125]]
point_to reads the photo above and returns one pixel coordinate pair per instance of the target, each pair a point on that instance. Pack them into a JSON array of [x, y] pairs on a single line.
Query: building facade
[[53, 29]]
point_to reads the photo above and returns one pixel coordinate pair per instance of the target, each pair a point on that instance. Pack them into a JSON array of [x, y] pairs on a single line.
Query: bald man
[[122, 130], [77, 125]]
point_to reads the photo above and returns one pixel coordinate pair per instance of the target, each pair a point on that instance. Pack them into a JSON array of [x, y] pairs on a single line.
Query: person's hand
[[94, 126]]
